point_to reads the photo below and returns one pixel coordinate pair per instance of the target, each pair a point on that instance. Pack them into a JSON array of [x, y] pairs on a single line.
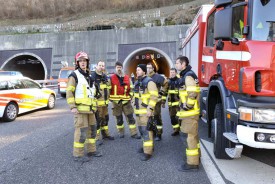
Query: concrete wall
[[98, 44]]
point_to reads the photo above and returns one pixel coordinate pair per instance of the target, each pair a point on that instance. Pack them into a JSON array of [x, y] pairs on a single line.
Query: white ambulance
[[21, 94]]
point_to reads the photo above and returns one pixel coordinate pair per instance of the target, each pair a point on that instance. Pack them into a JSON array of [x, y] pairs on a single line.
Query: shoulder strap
[[73, 74]]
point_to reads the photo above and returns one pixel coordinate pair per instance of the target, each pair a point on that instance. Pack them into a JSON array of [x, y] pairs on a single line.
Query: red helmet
[[79, 55]]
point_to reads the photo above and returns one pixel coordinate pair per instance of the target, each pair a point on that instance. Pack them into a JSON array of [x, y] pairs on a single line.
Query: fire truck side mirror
[[223, 24]]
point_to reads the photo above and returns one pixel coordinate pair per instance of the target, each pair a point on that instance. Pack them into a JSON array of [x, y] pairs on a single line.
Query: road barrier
[[53, 84]]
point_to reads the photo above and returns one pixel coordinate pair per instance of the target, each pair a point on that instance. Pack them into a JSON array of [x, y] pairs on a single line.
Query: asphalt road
[[37, 148]]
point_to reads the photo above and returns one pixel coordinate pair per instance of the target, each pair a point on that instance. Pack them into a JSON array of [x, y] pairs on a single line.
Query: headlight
[[264, 115], [257, 115]]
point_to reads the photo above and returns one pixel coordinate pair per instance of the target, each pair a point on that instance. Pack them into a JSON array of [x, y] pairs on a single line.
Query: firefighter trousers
[[147, 136], [84, 134], [174, 119], [127, 110], [157, 117], [102, 119], [189, 126]]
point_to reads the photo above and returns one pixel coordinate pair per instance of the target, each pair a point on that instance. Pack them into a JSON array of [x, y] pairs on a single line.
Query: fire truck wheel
[[10, 112], [51, 102], [220, 142]]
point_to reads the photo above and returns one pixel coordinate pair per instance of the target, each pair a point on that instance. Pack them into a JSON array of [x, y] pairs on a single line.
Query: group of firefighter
[[89, 92]]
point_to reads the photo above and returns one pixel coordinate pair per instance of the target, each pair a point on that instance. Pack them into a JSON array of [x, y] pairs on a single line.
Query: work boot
[[81, 159], [175, 133], [121, 135], [145, 157], [158, 137], [188, 168], [136, 136], [109, 137], [94, 154]]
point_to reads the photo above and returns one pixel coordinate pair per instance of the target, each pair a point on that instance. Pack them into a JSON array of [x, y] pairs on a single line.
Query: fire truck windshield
[[263, 21]]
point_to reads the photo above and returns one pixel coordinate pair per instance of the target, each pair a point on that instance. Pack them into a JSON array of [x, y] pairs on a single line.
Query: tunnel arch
[[164, 63], [29, 64]]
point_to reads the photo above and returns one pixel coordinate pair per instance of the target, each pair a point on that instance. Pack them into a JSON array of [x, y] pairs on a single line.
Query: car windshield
[[263, 21], [65, 73], [10, 73]]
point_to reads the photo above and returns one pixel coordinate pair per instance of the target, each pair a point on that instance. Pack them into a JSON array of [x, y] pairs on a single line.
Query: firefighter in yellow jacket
[[102, 116], [189, 93], [162, 86], [121, 100], [173, 100], [80, 97], [145, 98]]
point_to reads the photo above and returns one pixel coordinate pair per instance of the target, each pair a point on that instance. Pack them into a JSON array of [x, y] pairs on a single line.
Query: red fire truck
[[231, 47]]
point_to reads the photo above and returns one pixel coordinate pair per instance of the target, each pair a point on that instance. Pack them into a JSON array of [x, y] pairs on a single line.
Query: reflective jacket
[[103, 84], [173, 92], [189, 92], [161, 83], [145, 96], [80, 92], [120, 88]]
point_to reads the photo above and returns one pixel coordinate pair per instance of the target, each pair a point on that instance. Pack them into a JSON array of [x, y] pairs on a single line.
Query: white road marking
[[209, 167], [242, 170]]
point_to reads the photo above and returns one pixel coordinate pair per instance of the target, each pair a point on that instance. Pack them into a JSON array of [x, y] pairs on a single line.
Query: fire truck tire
[[220, 142], [51, 102], [10, 112]]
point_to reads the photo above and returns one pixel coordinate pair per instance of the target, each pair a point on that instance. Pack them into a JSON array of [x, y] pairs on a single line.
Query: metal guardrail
[[53, 84]]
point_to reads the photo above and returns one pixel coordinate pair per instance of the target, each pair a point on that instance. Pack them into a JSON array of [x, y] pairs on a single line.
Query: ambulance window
[[17, 84], [30, 84], [237, 21], [4, 85], [210, 31]]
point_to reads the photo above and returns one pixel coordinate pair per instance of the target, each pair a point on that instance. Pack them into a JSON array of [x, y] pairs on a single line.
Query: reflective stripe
[[176, 126], [132, 126], [191, 101], [148, 143], [105, 128], [104, 86], [163, 97], [115, 90], [193, 89], [173, 103], [78, 145], [198, 146], [102, 102], [193, 152], [155, 93], [120, 126], [83, 108], [70, 100], [183, 114], [91, 141], [152, 103], [98, 131], [84, 101], [70, 88], [140, 111], [173, 91], [159, 127]]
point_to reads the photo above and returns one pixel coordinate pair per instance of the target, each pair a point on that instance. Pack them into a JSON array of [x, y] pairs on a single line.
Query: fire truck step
[[231, 136], [234, 152]]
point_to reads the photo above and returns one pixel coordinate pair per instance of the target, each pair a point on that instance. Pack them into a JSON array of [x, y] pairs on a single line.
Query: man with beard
[[121, 100]]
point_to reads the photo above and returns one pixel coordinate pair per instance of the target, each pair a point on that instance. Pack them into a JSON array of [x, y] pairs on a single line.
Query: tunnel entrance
[[160, 60], [28, 65]]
